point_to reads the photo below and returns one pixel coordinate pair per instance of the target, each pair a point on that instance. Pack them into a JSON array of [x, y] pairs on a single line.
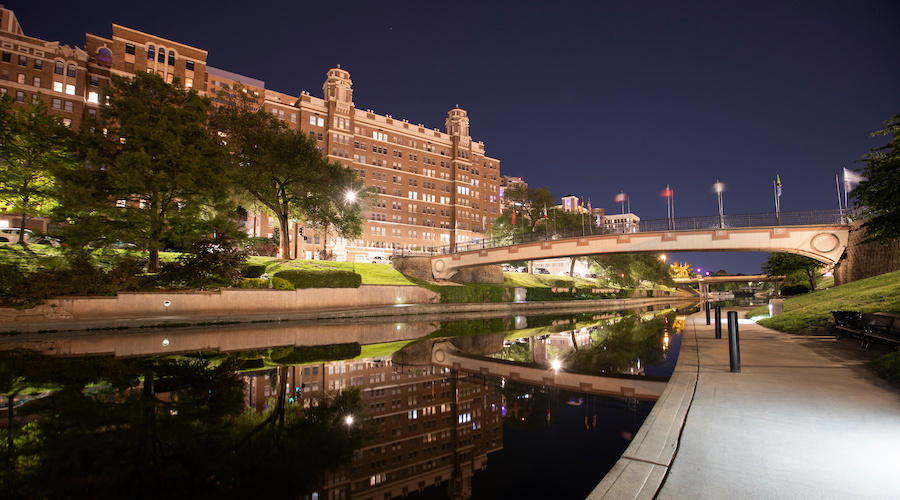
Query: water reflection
[[430, 404]]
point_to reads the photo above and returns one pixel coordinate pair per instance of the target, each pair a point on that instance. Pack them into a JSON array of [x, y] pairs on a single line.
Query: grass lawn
[[807, 312]]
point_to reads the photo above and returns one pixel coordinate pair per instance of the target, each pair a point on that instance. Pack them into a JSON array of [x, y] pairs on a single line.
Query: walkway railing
[[543, 233]]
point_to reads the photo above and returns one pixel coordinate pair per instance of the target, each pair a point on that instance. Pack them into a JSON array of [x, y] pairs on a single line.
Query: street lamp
[[719, 188], [349, 199]]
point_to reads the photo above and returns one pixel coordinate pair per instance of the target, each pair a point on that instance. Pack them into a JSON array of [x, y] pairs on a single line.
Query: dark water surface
[[515, 407]]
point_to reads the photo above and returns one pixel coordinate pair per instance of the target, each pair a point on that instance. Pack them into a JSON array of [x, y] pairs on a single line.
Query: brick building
[[435, 187]]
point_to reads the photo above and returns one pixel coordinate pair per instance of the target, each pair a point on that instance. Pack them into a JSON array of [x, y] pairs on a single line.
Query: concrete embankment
[[129, 310]]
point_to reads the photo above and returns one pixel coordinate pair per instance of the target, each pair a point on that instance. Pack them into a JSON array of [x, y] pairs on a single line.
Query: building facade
[[435, 187]]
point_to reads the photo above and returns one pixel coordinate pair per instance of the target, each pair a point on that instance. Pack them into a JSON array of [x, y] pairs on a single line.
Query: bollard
[[734, 349], [718, 322], [708, 304]]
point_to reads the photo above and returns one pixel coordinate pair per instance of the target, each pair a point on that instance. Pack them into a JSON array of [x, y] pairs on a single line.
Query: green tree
[[34, 146], [680, 269], [284, 170], [156, 170], [878, 195], [629, 269], [789, 264]]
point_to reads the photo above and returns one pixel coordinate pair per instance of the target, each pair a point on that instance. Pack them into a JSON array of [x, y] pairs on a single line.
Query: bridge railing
[[809, 218]]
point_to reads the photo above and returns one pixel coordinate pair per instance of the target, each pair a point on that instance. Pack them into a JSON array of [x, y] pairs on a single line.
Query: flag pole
[[837, 184]]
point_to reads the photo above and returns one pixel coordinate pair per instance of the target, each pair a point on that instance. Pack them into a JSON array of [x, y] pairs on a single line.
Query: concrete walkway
[[804, 419]]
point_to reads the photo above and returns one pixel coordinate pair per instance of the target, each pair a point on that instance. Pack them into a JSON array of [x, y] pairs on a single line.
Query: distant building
[[620, 223]]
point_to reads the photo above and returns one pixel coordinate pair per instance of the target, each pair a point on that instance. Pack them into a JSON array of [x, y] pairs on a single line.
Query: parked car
[[541, 270], [378, 259], [12, 236], [522, 269]]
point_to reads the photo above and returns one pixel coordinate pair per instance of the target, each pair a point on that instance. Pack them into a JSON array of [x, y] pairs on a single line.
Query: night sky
[[586, 98]]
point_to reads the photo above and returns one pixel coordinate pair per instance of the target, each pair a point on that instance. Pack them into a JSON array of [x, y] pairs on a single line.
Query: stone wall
[[864, 260], [491, 273], [417, 267]]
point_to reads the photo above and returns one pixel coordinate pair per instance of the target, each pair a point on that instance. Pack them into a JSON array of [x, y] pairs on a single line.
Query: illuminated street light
[[663, 257], [556, 364], [349, 420]]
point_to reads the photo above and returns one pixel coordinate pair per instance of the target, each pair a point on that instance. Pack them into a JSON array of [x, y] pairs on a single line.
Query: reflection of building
[[431, 426], [435, 187]]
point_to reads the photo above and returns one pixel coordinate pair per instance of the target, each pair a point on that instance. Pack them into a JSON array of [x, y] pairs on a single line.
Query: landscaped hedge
[[320, 279], [294, 355], [253, 270], [471, 293]]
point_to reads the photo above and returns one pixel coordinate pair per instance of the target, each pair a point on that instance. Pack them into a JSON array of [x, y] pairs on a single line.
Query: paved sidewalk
[[804, 419]]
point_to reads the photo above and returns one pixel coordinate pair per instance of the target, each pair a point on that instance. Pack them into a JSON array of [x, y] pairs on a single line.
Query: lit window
[[21, 78], [57, 86], [312, 120], [104, 57], [70, 89], [93, 98], [188, 83], [320, 122], [169, 77], [293, 117], [67, 122]]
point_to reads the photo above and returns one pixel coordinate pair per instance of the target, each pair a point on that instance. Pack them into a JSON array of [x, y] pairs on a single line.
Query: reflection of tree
[[626, 341], [162, 428]]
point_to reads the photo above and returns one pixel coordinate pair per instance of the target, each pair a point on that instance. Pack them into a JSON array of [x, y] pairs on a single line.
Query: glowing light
[[556, 364], [350, 196], [663, 257], [349, 420], [167, 303]]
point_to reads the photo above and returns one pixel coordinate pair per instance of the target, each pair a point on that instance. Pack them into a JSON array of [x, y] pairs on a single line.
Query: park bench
[[867, 327]]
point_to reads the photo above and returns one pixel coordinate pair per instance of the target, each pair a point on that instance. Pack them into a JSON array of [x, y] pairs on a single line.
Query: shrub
[[221, 259], [254, 283], [320, 279], [10, 278], [888, 366], [281, 284], [253, 270], [791, 290], [471, 293]]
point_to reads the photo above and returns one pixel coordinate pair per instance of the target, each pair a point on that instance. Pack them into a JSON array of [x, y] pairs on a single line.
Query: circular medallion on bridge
[[439, 265], [825, 242], [439, 355]]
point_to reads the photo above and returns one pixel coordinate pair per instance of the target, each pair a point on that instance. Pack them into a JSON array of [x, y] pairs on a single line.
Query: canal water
[[488, 407]]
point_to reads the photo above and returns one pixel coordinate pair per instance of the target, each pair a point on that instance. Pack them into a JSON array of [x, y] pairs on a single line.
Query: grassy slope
[[806, 312]]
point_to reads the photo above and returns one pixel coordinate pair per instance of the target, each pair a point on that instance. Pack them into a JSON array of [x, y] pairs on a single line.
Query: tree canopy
[[34, 147], [789, 264], [283, 170], [154, 176], [878, 197]]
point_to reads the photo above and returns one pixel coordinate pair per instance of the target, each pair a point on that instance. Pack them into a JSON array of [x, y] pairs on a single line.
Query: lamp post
[[719, 188], [349, 198]]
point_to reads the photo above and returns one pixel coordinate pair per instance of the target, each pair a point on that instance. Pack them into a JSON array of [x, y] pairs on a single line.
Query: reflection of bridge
[[446, 355], [821, 235]]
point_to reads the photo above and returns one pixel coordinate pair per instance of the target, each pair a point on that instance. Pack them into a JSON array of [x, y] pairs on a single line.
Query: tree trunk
[[284, 236], [153, 262], [22, 230]]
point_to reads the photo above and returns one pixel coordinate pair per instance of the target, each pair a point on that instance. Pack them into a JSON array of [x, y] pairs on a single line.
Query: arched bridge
[[822, 235]]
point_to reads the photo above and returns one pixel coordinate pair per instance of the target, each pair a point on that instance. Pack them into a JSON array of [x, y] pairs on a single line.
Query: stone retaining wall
[[864, 260], [224, 302]]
